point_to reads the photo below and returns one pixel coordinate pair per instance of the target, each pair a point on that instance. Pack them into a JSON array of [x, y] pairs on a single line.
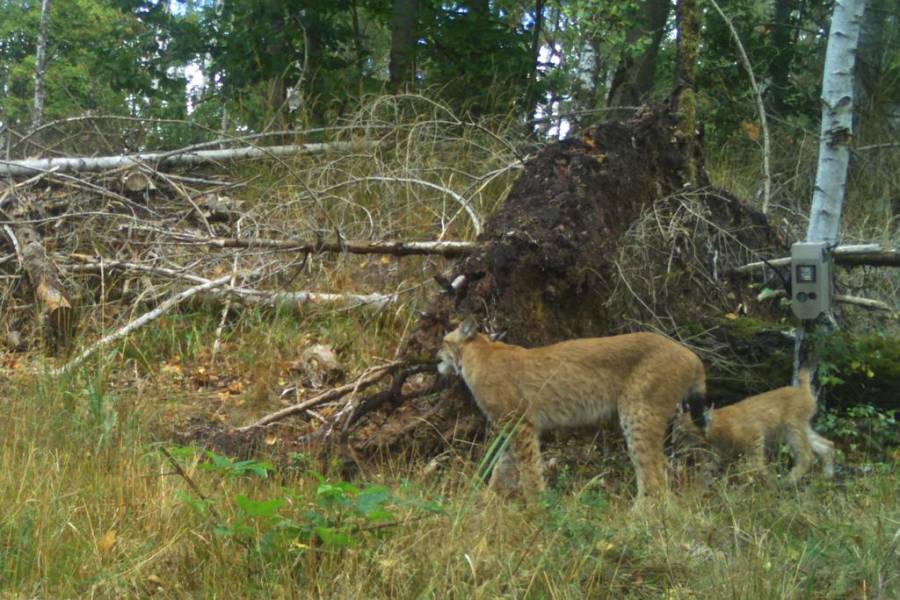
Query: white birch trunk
[[40, 68], [837, 121]]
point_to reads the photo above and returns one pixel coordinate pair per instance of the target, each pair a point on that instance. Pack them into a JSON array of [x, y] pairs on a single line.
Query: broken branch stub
[[49, 292]]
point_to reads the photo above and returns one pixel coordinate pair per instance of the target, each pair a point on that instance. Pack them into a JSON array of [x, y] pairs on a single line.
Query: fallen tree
[[393, 247], [851, 255], [76, 164]]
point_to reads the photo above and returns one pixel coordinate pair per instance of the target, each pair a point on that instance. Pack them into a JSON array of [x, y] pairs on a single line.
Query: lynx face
[[450, 354], [641, 378]]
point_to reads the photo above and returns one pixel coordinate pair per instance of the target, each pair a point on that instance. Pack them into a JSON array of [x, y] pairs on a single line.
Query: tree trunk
[[685, 104], [535, 56], [358, 47], [40, 68], [871, 60], [783, 47], [634, 76], [834, 145], [837, 122], [403, 44]]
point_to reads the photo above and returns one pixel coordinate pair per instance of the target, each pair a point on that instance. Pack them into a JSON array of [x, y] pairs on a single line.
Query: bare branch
[[368, 379], [145, 318], [848, 256]]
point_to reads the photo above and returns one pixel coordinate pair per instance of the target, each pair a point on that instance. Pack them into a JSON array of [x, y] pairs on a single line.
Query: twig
[[369, 378], [760, 107], [140, 322], [187, 478], [227, 307], [878, 146], [456, 197]]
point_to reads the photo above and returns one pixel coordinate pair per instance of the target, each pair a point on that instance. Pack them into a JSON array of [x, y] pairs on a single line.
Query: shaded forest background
[[238, 65]]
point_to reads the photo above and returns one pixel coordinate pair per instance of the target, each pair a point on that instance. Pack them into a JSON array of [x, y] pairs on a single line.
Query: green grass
[[93, 508]]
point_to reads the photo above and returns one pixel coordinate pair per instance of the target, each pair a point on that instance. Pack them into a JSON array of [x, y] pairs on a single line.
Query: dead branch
[[368, 379], [848, 256], [101, 163], [145, 318], [395, 394], [865, 302], [855, 300], [245, 295], [394, 247]]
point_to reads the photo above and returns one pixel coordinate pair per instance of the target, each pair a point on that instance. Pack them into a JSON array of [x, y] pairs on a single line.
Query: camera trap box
[[811, 272]]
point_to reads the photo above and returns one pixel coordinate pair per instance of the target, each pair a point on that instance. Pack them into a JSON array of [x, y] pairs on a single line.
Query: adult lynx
[[640, 377]]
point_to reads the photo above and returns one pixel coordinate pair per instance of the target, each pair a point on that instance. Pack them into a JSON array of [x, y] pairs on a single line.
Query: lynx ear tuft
[[468, 328]]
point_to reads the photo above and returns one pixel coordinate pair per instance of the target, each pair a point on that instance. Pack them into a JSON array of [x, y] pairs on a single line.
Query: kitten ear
[[468, 328]]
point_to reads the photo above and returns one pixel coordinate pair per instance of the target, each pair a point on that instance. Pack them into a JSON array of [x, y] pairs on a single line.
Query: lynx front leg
[[522, 462]]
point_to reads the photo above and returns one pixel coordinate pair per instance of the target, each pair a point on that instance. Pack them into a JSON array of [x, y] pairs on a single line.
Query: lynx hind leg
[[521, 465], [644, 436], [824, 449], [505, 476], [802, 452]]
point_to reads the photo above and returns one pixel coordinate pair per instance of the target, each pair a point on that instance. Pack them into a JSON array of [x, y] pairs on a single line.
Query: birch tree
[[837, 121], [834, 143], [40, 68]]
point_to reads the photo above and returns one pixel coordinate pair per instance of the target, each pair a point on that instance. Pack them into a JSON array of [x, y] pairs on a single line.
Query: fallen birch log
[[393, 247], [847, 256], [103, 163], [855, 300]]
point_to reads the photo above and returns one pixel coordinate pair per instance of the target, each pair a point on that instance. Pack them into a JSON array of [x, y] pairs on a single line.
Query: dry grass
[[93, 509]]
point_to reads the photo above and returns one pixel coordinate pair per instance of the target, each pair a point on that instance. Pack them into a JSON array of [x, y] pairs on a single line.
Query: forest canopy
[[241, 64]]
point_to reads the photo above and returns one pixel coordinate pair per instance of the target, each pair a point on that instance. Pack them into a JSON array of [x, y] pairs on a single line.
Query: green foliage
[[338, 515], [235, 468], [107, 56], [479, 62], [850, 364], [862, 429]]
